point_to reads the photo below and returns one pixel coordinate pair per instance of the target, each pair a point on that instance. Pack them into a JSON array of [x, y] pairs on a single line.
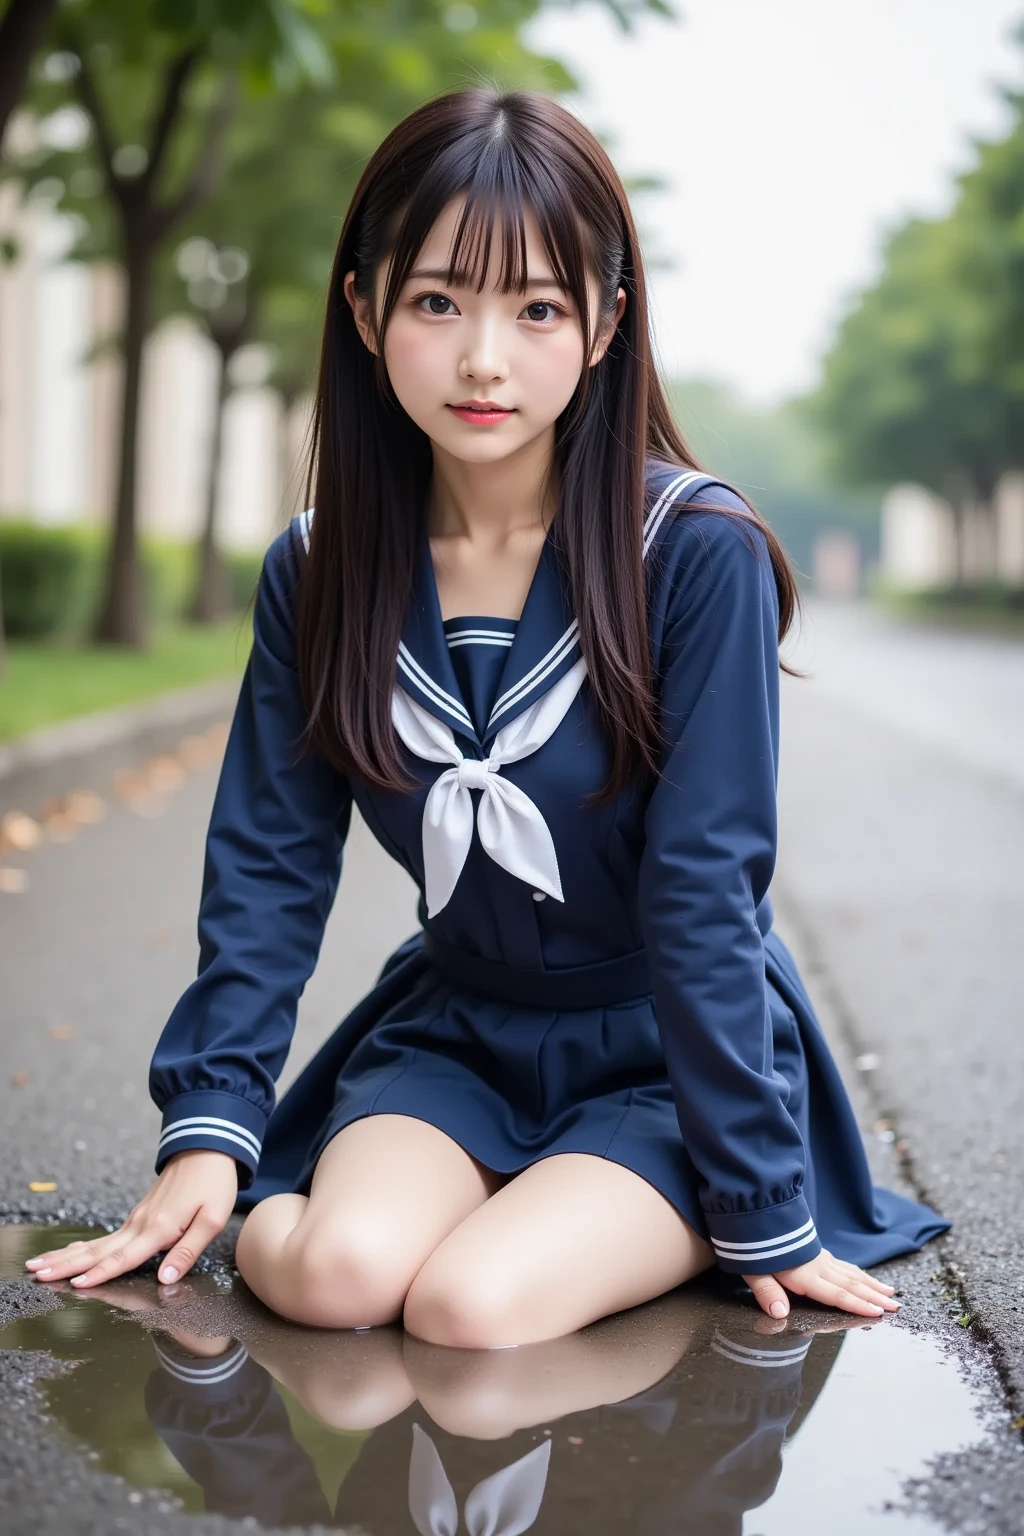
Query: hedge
[[51, 578]]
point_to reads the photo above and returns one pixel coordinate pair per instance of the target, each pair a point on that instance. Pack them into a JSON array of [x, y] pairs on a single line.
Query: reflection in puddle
[[688, 1417]]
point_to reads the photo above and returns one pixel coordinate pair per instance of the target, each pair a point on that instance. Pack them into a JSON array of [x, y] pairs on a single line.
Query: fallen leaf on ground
[[19, 1079], [195, 752], [20, 831], [13, 882], [61, 1031], [85, 807], [164, 773], [61, 827], [42, 1186], [148, 803], [128, 783]]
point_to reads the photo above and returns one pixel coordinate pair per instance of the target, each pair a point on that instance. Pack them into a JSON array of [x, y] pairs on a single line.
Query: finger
[[77, 1257], [117, 1261], [188, 1248], [771, 1298], [878, 1298], [841, 1296], [850, 1275], [42, 1260], [861, 1274]]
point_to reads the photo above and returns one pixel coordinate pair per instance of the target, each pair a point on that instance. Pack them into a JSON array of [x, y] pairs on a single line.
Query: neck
[[492, 501]]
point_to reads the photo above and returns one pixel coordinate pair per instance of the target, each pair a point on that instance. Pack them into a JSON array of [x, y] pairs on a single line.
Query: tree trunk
[[288, 487], [21, 31], [212, 598], [122, 619]]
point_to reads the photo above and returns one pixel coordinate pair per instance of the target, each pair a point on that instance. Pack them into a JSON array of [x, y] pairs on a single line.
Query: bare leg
[[386, 1191], [573, 1238], [487, 1394], [349, 1381]]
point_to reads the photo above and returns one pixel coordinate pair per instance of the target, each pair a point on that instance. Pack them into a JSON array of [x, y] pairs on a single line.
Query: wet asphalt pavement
[[901, 890]]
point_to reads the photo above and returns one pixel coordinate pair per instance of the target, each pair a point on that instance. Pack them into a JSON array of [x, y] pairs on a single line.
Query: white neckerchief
[[505, 1504], [512, 829]]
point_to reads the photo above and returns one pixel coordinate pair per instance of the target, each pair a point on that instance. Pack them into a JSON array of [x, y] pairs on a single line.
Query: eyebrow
[[461, 278]]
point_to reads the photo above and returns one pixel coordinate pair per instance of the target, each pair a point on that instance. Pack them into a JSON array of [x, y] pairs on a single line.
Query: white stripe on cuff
[[217, 1370], [742, 1355], [237, 1134], [228, 1125], [769, 1243], [769, 1253]]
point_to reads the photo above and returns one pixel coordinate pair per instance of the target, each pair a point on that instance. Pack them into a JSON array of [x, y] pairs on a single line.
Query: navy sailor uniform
[[601, 979]]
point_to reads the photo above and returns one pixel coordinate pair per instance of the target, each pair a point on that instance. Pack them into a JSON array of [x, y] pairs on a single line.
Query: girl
[[522, 635]]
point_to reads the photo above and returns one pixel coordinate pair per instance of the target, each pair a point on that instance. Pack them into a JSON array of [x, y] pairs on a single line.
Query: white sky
[[793, 134]]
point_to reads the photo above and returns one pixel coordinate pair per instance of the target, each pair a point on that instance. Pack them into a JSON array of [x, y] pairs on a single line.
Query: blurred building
[[836, 564], [925, 544], [59, 408]]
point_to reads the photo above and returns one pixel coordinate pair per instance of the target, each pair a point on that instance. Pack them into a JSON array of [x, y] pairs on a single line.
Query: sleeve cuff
[[207, 1380], [762, 1242], [213, 1122]]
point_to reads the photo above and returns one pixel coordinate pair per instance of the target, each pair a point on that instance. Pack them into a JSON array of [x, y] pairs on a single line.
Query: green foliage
[[777, 459], [925, 380], [51, 680], [52, 577], [43, 574]]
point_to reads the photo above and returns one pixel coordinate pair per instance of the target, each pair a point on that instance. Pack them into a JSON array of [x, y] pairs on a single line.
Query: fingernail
[[41, 1274], [32, 1263], [778, 1309], [77, 1279], [168, 1275]]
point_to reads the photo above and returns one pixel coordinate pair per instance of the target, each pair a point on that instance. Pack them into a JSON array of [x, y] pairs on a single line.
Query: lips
[[479, 405]]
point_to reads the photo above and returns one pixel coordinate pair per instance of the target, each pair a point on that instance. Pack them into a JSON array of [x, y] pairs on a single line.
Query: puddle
[[682, 1418]]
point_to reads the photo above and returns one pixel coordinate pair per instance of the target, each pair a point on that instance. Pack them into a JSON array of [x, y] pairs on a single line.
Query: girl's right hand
[[185, 1209]]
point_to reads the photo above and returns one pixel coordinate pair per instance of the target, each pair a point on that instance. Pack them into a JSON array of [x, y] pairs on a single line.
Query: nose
[[485, 358]]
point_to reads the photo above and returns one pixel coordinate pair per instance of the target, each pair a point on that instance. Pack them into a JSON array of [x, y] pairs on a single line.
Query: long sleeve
[[273, 861], [707, 864]]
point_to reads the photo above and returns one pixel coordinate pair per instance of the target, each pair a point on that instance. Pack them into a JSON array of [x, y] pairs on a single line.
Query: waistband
[[617, 980]]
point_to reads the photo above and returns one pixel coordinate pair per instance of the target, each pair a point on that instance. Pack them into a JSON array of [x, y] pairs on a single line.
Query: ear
[[603, 341], [361, 311]]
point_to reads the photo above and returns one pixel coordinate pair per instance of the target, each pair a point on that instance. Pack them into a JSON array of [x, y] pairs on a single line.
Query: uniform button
[[539, 895]]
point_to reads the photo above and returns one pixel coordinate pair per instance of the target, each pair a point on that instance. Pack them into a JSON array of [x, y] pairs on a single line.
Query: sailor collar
[[543, 673]]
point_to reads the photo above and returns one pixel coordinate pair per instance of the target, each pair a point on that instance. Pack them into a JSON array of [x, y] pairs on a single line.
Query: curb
[[85, 733]]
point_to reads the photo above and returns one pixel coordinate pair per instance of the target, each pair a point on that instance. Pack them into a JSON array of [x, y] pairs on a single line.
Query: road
[[900, 885]]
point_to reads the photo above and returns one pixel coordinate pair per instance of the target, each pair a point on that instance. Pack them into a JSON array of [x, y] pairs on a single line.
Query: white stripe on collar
[[444, 700]]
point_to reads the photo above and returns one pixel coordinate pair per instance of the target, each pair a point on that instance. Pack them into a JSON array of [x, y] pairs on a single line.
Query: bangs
[[500, 187]]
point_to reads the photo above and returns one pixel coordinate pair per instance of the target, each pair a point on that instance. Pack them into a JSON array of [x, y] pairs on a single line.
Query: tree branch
[[21, 31], [88, 94], [175, 82], [210, 160]]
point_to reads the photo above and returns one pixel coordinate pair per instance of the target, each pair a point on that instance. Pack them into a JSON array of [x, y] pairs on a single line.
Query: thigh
[[386, 1191], [573, 1238]]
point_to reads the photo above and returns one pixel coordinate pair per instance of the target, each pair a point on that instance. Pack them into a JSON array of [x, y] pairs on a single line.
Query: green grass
[[47, 682], [954, 615]]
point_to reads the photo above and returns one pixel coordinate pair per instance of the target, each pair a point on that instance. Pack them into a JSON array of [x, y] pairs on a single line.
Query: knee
[[347, 1276], [468, 1309]]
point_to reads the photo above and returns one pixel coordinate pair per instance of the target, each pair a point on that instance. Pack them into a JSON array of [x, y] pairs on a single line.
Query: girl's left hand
[[825, 1279]]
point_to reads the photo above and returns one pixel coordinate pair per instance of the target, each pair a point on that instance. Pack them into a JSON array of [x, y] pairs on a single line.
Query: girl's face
[[449, 349]]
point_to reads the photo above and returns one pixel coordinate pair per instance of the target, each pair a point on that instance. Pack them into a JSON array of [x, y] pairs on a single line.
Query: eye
[[541, 304], [436, 303]]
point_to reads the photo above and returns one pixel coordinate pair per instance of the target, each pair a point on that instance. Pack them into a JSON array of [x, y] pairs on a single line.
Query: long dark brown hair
[[370, 465]]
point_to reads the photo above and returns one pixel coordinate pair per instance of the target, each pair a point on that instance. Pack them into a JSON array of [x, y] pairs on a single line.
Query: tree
[[23, 24], [157, 83], [173, 92]]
